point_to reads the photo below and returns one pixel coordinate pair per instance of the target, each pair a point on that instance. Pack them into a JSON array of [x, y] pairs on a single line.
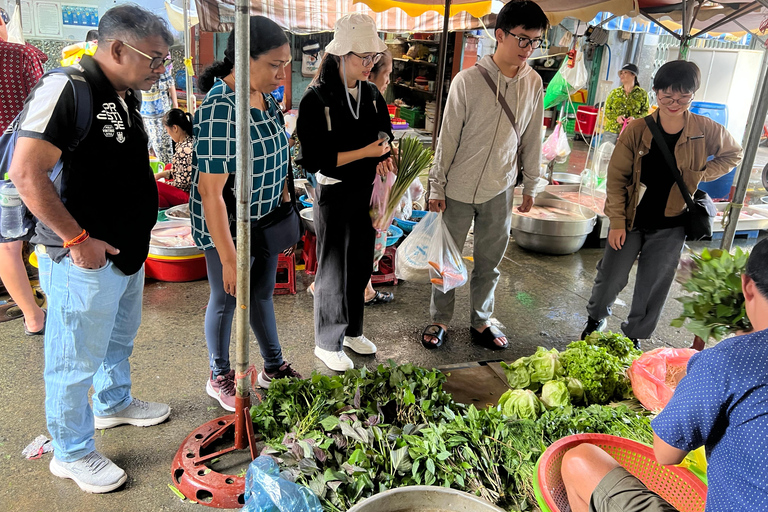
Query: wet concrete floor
[[540, 301]]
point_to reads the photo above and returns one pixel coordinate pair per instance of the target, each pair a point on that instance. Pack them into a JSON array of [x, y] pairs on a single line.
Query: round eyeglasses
[[369, 59], [524, 42], [154, 62], [669, 100]]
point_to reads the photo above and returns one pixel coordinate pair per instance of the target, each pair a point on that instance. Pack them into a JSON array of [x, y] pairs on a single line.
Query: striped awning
[[477, 8], [313, 16]]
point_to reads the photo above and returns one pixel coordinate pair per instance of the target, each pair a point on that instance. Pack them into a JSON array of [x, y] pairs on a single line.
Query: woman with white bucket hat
[[345, 130]]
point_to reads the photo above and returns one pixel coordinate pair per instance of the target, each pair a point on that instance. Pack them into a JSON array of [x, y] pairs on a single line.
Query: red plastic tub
[[176, 269]]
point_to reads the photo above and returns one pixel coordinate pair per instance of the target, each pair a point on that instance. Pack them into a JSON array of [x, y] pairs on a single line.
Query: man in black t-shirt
[[93, 237]]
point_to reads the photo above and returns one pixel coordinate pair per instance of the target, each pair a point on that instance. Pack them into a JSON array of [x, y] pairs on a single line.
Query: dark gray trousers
[[659, 252], [345, 238]]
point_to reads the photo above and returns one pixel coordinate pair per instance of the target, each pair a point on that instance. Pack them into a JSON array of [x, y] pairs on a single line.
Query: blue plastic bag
[[267, 491]]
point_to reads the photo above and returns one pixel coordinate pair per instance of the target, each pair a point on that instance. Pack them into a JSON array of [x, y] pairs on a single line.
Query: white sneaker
[[93, 473], [336, 361], [360, 344]]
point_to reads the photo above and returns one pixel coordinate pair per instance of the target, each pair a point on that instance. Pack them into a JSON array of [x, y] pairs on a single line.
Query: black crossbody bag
[[701, 209], [280, 229]]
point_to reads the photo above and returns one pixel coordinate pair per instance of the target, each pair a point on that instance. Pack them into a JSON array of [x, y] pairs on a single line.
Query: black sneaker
[[635, 342], [265, 378], [592, 326]]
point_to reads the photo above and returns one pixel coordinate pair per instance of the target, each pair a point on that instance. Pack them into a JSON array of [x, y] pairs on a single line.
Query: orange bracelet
[[82, 237]]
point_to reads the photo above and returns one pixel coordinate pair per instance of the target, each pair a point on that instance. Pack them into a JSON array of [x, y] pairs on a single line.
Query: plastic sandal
[[434, 331], [487, 337], [380, 298]]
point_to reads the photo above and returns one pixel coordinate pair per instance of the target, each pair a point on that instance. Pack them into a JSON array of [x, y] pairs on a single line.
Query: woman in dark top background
[[645, 206], [345, 129]]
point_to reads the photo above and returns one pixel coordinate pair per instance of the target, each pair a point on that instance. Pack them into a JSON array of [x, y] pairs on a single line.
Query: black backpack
[[83, 117]]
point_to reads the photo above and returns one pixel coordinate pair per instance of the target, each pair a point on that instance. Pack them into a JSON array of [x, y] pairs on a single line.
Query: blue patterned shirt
[[215, 153], [157, 101], [722, 404]]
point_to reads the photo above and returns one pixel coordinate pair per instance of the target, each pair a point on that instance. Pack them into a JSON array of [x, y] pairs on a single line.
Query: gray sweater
[[476, 157]]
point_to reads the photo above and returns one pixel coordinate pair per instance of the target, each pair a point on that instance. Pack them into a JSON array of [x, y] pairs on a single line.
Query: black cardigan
[[320, 146]]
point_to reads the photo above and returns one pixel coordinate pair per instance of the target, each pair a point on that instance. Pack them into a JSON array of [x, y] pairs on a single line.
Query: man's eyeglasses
[[370, 59], [669, 100], [524, 42], [154, 62]]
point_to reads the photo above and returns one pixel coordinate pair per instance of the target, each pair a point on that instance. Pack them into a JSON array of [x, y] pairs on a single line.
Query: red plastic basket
[[679, 486]]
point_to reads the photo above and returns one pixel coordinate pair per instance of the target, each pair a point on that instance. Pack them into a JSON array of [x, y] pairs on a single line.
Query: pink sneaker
[[265, 378], [222, 388]]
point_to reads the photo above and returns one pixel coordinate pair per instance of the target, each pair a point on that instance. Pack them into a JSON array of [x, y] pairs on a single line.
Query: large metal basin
[[308, 219], [424, 498], [553, 236]]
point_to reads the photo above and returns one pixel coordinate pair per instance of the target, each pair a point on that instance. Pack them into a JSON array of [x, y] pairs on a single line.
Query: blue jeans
[[93, 317]]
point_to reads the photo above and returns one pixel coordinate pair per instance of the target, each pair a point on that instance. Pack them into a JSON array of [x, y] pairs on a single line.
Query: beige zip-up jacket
[[701, 138], [476, 157]]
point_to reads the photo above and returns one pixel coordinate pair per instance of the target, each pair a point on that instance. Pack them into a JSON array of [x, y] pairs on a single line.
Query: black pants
[[345, 239]]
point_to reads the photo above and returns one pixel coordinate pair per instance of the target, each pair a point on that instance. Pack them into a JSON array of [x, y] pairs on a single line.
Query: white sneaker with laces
[[139, 413], [336, 361], [360, 344], [93, 473]]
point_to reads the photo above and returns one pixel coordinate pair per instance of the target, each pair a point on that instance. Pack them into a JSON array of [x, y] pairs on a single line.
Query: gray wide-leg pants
[[659, 252], [492, 224]]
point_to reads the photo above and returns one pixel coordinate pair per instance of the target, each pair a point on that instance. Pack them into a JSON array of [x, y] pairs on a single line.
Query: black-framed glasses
[[524, 42], [669, 100], [154, 62], [368, 60]]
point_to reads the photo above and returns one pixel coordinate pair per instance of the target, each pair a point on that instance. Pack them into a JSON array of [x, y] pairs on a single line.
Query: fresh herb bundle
[[716, 307]]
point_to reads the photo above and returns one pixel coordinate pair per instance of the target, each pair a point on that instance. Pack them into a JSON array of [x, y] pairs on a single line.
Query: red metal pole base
[[191, 474]]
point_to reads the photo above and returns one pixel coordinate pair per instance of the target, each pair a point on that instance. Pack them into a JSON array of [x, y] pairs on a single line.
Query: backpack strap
[[83, 110], [83, 102]]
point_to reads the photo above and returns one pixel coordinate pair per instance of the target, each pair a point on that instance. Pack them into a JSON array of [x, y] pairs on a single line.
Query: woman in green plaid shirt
[[624, 103]]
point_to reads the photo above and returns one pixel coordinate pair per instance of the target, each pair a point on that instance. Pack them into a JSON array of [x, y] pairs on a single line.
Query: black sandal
[[487, 338], [434, 331], [380, 298]]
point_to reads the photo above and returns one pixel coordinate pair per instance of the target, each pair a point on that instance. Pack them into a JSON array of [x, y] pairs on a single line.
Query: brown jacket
[[701, 138]]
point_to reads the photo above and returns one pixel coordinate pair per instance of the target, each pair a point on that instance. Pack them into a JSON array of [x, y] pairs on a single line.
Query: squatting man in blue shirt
[[721, 404]]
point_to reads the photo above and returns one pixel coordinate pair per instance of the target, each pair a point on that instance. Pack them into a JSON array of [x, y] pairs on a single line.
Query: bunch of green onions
[[411, 160]]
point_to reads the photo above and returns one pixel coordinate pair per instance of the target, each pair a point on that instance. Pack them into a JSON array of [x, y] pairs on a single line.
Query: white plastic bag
[[446, 266], [411, 259], [563, 148], [556, 146], [577, 76]]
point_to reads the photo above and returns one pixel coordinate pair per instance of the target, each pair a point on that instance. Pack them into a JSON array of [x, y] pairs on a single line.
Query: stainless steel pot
[[307, 219], [424, 498], [553, 236]]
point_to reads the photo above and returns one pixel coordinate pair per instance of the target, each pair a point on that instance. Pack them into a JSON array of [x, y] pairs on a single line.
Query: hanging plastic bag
[[411, 258], [379, 199], [447, 269], [404, 208], [656, 374], [557, 91], [576, 76], [563, 147], [267, 491], [556, 146]]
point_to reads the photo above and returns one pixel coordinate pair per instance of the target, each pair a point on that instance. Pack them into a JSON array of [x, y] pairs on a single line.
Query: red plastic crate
[[586, 118], [175, 270]]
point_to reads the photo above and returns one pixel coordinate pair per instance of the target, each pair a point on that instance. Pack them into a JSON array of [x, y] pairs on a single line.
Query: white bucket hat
[[355, 33]]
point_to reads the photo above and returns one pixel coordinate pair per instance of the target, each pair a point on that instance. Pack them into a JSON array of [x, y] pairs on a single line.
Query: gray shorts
[[620, 491]]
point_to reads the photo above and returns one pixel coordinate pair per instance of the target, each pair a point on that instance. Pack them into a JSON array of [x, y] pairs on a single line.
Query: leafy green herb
[[616, 344], [616, 420], [601, 373], [716, 306]]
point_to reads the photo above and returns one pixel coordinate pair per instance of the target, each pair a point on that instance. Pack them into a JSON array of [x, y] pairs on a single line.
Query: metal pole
[[682, 53], [750, 143], [191, 103], [442, 57], [243, 192]]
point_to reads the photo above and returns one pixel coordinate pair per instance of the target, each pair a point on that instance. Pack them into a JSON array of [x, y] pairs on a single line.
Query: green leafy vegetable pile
[[350, 436], [716, 307]]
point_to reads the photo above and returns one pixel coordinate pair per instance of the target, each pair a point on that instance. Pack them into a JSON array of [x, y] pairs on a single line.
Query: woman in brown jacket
[[645, 206]]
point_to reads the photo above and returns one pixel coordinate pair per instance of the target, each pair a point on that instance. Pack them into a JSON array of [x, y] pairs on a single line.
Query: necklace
[[356, 115]]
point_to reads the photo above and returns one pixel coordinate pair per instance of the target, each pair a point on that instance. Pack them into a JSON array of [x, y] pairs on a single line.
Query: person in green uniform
[[624, 103]]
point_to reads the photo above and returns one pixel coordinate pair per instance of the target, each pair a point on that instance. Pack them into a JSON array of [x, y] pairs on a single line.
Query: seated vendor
[[175, 190], [721, 404]]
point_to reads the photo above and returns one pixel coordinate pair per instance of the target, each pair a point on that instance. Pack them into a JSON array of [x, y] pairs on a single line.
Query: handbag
[[701, 208], [511, 116], [280, 229]]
